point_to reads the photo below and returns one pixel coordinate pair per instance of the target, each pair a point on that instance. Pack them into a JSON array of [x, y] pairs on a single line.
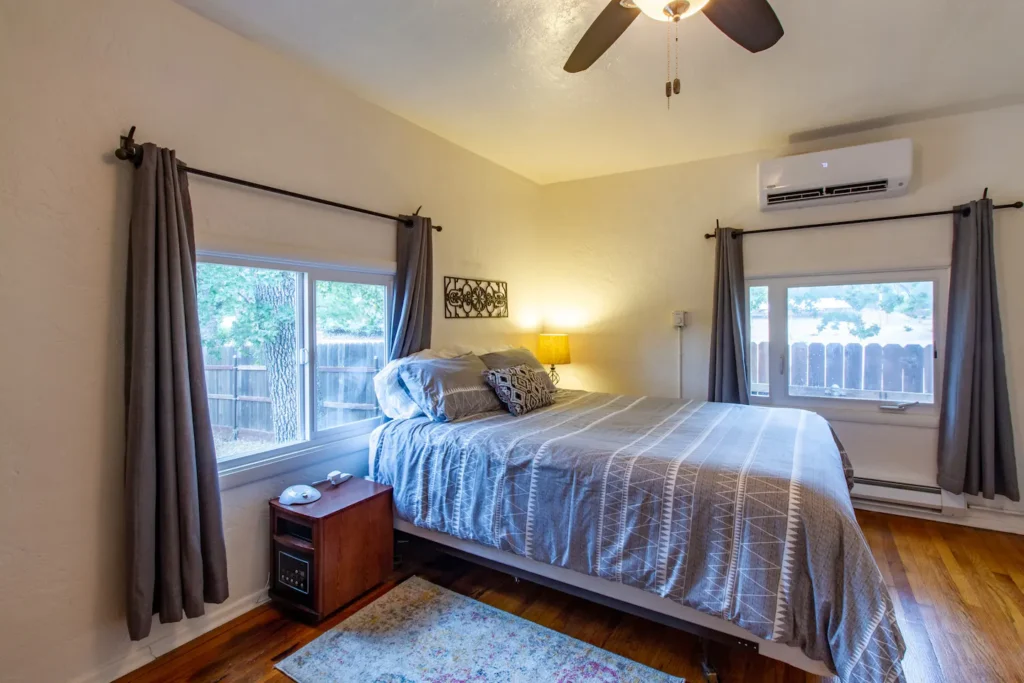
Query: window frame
[[837, 407], [318, 445]]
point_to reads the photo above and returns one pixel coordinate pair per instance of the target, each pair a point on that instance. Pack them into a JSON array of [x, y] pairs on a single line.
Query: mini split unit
[[851, 174]]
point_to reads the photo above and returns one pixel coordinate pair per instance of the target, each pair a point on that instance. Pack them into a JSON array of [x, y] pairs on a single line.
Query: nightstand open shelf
[[328, 553]]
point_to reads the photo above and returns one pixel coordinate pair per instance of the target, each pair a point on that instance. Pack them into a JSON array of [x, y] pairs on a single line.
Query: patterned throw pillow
[[519, 389], [499, 360]]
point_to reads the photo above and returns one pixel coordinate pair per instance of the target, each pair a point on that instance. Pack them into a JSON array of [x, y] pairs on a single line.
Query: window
[[290, 355], [758, 341], [846, 339], [349, 350]]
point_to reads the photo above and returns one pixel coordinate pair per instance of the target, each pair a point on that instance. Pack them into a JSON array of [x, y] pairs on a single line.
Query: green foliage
[[249, 307], [912, 299], [243, 307], [833, 319], [347, 308], [758, 298]]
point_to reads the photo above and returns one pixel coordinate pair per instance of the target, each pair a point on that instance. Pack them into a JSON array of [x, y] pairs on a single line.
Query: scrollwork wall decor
[[470, 298]]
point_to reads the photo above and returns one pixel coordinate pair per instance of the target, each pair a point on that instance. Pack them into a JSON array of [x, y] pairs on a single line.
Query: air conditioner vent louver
[[799, 196], [857, 188], [830, 191]]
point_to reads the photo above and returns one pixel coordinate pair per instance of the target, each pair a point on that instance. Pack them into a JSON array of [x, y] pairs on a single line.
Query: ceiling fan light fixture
[[667, 11]]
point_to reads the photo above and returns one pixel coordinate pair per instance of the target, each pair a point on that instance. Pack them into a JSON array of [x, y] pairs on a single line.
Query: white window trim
[[322, 445], [839, 409]]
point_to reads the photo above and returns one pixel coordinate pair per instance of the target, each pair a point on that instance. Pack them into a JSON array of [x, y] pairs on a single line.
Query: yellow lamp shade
[[553, 349]]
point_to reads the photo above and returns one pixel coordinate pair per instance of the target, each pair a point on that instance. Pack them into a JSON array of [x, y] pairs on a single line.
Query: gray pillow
[[519, 388], [499, 360], [447, 389]]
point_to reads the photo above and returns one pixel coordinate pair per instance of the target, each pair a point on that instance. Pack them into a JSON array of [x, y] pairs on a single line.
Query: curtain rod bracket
[[709, 235], [129, 151]]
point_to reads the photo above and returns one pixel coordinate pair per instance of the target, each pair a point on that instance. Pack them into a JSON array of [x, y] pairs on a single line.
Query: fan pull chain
[[675, 84], [668, 67]]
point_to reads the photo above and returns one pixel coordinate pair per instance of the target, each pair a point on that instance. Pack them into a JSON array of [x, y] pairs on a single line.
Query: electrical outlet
[[680, 318]]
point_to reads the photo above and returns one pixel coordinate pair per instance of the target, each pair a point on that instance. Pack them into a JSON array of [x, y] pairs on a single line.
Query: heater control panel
[[293, 572]]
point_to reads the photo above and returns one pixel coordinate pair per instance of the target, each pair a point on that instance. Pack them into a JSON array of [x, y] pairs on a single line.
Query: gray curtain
[[175, 541], [976, 453], [727, 382], [414, 288]]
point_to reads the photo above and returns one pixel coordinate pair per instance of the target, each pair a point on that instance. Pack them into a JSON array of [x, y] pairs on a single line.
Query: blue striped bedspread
[[741, 512]]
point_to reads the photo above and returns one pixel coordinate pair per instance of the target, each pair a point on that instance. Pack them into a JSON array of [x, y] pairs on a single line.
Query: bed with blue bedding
[[738, 512]]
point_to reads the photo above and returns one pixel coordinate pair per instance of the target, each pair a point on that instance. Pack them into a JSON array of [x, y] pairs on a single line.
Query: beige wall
[[73, 75], [606, 259], [630, 250]]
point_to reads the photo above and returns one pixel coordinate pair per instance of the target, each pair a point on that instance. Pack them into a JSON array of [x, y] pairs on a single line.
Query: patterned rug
[[421, 633]]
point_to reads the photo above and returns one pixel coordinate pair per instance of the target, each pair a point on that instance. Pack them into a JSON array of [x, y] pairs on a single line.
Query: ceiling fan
[[751, 23]]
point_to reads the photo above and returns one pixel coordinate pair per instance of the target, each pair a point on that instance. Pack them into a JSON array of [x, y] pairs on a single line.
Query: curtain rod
[[129, 151], [905, 216]]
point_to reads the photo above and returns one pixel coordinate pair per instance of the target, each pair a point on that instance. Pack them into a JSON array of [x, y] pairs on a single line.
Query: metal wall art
[[469, 298]]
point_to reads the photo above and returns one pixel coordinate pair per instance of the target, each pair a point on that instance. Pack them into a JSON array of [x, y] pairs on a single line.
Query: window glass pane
[[872, 341], [758, 354], [349, 351], [250, 319]]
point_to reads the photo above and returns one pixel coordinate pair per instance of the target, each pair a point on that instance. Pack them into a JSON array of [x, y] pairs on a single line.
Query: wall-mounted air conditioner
[[851, 174]]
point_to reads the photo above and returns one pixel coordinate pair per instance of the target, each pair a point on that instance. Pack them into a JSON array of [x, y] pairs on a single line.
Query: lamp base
[[553, 374]]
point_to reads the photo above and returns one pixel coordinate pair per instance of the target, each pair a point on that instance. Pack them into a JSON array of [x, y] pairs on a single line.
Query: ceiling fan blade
[[605, 30], [751, 23]]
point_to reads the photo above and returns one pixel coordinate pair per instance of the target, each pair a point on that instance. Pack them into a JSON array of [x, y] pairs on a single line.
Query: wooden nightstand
[[328, 553]]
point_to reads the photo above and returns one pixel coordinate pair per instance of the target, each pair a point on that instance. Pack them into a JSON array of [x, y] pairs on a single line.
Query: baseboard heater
[[899, 495]]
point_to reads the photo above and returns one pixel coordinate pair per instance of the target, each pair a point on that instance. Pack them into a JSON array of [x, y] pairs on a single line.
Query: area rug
[[422, 633]]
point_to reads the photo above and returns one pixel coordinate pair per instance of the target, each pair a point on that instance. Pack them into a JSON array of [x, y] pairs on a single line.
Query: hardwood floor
[[959, 595]]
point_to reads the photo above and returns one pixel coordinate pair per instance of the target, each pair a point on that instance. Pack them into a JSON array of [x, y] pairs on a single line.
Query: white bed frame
[[619, 596]]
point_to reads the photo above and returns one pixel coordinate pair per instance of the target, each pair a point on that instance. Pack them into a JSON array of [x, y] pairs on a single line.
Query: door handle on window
[[782, 364]]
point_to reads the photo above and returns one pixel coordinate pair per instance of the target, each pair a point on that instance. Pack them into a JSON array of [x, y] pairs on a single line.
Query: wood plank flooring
[[959, 595]]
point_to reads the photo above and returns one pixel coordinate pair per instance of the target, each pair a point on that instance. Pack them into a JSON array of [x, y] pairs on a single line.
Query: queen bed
[[735, 520]]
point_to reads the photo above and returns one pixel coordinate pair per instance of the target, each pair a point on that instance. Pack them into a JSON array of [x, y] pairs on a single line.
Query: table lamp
[[553, 349]]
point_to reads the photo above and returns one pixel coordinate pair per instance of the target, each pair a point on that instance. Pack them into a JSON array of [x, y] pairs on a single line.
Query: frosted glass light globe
[[655, 9]]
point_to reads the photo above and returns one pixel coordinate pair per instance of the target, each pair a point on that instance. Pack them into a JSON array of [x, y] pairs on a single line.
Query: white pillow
[[394, 400]]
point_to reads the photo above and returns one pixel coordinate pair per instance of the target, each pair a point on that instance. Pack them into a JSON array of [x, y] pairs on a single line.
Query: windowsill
[[923, 417], [874, 416], [301, 456]]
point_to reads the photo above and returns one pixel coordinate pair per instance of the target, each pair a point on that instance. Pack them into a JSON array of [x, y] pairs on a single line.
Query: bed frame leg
[[710, 673]]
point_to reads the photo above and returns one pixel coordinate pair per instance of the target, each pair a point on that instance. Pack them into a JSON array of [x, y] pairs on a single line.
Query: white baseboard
[[887, 495], [979, 518], [145, 652]]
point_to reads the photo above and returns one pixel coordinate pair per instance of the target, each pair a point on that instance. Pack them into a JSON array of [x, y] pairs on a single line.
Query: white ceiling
[[488, 75]]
